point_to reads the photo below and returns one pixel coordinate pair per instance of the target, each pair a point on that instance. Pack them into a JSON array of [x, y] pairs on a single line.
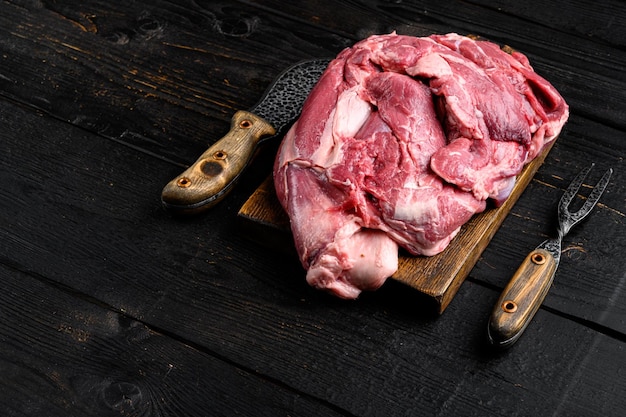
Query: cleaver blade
[[214, 174]]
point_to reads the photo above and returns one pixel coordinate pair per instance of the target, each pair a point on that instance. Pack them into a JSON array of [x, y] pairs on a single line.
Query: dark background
[[110, 306]]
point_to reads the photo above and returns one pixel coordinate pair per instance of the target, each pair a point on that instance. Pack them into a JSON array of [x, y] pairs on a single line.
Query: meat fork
[[523, 295]]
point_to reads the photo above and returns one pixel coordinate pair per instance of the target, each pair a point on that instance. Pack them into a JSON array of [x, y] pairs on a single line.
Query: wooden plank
[[575, 16], [65, 356], [439, 276], [179, 63], [160, 77], [82, 211]]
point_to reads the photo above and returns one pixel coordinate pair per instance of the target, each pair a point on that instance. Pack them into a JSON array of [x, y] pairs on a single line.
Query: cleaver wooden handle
[[211, 177]]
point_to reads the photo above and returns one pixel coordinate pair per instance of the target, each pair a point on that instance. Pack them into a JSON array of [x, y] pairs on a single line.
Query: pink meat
[[400, 143]]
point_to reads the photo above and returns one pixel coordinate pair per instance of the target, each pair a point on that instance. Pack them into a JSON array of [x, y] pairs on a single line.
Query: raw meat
[[400, 143]]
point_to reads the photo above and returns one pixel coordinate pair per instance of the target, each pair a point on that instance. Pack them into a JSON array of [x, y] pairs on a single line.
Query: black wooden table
[[111, 306]]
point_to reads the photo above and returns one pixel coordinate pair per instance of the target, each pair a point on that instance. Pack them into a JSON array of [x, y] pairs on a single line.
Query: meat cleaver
[[213, 175]]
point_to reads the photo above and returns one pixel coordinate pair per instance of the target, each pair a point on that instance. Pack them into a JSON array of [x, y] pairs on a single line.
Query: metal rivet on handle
[[538, 258], [220, 155], [509, 306], [183, 182]]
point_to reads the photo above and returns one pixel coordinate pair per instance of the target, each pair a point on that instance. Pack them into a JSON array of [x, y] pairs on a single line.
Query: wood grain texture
[[522, 297], [87, 360], [101, 104], [160, 77]]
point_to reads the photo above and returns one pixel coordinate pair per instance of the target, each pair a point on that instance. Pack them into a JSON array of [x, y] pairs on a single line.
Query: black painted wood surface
[[110, 306]]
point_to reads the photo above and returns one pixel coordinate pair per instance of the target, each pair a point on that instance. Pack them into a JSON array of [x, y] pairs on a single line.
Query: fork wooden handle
[[521, 298]]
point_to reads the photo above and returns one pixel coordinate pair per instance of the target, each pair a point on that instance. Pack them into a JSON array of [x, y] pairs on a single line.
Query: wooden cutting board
[[438, 277]]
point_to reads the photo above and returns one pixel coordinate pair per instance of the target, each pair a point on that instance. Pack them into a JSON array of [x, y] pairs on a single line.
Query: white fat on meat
[[357, 259], [344, 122]]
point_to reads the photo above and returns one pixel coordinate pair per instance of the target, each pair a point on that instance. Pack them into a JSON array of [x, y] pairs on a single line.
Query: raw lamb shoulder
[[399, 144]]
